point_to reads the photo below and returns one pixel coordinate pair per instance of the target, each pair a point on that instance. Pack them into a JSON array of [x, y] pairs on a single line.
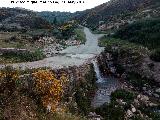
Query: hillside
[[116, 10], [56, 16], [53, 67], [145, 32], [14, 19]]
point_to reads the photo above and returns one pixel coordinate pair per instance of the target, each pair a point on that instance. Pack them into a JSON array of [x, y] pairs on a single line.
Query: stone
[[133, 109], [140, 113], [157, 90], [136, 102], [156, 95], [48, 107], [144, 88], [144, 98], [129, 113], [121, 102], [149, 92], [139, 96], [152, 104], [94, 116]]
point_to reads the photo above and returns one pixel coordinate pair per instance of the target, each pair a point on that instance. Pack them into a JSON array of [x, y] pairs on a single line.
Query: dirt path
[[74, 55]]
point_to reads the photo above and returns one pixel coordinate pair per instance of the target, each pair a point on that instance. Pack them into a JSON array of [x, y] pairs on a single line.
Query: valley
[[99, 64], [74, 55]]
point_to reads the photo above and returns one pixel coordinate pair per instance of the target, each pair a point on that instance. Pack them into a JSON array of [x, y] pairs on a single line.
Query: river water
[[105, 85]]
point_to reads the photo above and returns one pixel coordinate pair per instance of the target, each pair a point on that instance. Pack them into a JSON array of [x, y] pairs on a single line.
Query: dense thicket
[[145, 32], [56, 17]]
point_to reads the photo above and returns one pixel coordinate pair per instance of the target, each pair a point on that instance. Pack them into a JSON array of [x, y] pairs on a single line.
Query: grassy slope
[[144, 32], [80, 35], [122, 44]]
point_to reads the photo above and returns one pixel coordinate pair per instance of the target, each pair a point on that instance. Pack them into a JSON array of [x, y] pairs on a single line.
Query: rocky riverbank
[[138, 97]]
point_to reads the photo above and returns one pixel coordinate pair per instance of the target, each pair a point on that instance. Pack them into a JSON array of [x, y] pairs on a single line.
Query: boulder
[[129, 113], [152, 104], [133, 109], [136, 102], [157, 90], [144, 98], [144, 88], [156, 95]]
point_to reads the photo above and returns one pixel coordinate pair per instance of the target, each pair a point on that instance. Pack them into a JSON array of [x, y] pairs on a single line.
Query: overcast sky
[[39, 6]]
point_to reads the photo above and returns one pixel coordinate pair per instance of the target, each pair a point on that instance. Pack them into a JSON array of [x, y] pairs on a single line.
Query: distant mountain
[[113, 9], [12, 19], [57, 17]]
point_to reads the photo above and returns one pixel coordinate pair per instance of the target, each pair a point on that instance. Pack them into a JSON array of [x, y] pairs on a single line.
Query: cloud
[[50, 6]]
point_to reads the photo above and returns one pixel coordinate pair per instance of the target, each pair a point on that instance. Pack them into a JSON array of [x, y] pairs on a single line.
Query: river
[[105, 86], [71, 56]]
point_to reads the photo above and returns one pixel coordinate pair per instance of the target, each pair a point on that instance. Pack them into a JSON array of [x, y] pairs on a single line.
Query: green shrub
[[122, 94], [80, 35], [23, 57], [119, 68], [137, 81], [123, 49], [110, 112], [155, 56], [84, 92], [82, 101], [151, 112], [145, 32], [8, 79]]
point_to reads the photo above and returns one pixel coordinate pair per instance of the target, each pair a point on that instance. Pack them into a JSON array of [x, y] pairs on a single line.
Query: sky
[[50, 6]]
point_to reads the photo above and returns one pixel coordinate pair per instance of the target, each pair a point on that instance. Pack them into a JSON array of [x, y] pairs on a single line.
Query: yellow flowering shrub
[[66, 26], [1, 75], [9, 74], [50, 87]]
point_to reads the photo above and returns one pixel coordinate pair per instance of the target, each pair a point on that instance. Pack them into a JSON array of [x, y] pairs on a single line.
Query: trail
[[74, 55]]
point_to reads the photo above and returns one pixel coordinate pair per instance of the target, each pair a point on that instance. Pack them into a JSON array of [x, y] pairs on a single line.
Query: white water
[[106, 85], [97, 71]]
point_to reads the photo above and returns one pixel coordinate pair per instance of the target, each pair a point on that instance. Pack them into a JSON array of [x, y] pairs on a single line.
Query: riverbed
[[105, 86]]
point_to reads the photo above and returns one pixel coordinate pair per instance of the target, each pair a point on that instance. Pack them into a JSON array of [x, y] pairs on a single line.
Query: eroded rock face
[[131, 61], [125, 65]]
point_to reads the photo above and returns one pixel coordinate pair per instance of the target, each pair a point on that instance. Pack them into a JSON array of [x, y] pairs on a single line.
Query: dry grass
[[62, 116], [21, 41]]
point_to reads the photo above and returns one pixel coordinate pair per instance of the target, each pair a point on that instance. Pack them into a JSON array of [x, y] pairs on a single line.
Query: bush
[[84, 92], [60, 116], [110, 112], [80, 35], [13, 38], [122, 94], [24, 56], [155, 56], [9, 78], [138, 81], [123, 49], [50, 88], [145, 32]]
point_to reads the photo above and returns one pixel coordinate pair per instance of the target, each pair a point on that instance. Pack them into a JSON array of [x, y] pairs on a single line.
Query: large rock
[[157, 90], [129, 113], [156, 95], [133, 109]]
